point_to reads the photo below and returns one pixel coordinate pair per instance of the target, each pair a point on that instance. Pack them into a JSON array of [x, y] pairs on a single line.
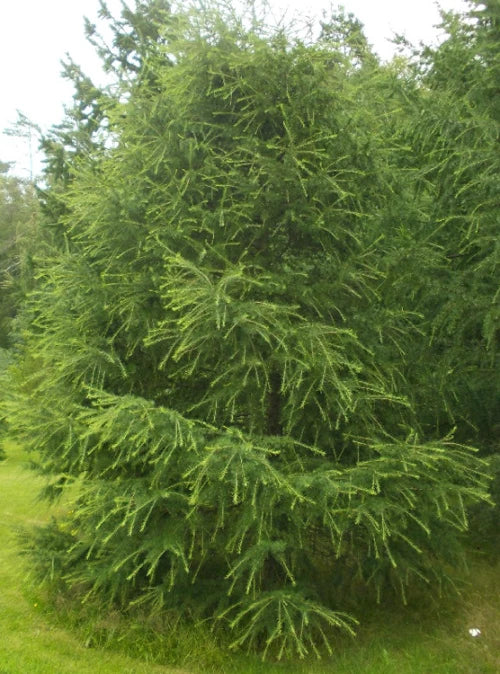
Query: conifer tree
[[210, 363], [452, 153]]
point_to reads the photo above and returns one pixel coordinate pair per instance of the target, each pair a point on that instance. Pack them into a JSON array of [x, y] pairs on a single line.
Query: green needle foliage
[[215, 361], [455, 162]]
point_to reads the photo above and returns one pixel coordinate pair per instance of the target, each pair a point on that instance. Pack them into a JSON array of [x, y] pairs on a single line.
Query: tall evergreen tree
[[452, 139], [218, 375]]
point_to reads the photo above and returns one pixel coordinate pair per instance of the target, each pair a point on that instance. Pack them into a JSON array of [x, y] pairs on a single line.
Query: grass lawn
[[430, 640]]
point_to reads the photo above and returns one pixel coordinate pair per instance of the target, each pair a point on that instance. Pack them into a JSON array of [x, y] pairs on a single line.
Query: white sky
[[36, 34]]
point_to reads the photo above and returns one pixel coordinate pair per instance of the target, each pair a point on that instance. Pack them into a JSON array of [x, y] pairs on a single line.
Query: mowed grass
[[36, 639]]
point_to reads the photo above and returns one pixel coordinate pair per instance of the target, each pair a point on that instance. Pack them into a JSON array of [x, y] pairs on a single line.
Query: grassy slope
[[389, 642]]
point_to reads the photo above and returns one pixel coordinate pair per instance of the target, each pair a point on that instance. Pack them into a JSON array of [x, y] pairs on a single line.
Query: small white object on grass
[[474, 632]]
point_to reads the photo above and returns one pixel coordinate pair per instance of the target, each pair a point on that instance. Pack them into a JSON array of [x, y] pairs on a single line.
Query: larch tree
[[211, 363]]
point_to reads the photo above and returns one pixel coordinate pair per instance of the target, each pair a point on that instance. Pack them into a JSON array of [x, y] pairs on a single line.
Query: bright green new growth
[[213, 366]]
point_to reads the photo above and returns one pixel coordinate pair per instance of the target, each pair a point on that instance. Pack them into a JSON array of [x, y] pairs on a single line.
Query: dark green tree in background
[[222, 352], [456, 167], [18, 228], [18, 223], [461, 150]]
